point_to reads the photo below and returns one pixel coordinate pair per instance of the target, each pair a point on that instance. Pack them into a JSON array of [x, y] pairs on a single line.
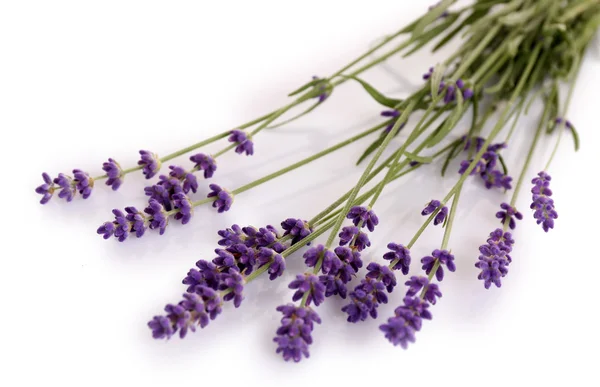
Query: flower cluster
[[452, 89], [243, 142], [114, 174], [542, 203], [431, 207], [204, 163], [371, 292], [150, 163], [508, 214], [494, 259], [486, 167], [196, 309], [295, 333]]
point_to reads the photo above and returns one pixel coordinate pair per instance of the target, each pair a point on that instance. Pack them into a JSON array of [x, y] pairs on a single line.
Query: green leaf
[[451, 155], [432, 33], [370, 149], [520, 17], [449, 124], [304, 87], [430, 17], [469, 20], [575, 137], [436, 79], [514, 44], [377, 96], [417, 158], [504, 168]]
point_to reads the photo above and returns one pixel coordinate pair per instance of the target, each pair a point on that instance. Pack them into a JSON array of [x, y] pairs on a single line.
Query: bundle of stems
[[511, 54]]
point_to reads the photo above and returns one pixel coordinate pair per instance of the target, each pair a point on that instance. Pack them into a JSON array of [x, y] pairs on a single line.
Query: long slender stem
[[308, 159]]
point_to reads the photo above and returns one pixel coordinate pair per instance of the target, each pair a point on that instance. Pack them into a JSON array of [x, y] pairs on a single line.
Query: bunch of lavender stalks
[[511, 53]]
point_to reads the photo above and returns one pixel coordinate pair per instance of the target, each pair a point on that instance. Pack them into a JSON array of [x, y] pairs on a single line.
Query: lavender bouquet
[[511, 53]]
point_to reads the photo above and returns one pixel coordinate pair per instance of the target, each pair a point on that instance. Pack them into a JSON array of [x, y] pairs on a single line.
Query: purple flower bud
[[330, 263], [158, 219], [150, 163], [353, 234], [233, 283], [333, 286], [243, 141], [362, 216], [182, 203], [207, 274], [365, 299], [428, 74], [509, 215], [204, 163], [187, 179], [114, 174], [267, 256], [443, 257], [83, 183], [383, 274], [224, 198], [137, 220], [67, 187], [399, 257], [309, 285], [47, 189], [297, 228]]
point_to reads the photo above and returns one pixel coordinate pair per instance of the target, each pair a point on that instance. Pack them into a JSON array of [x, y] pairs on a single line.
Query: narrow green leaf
[[513, 45], [304, 87], [449, 124], [468, 21], [520, 17], [430, 17], [371, 149], [451, 155], [432, 33], [575, 137], [504, 168], [377, 96], [436, 79], [417, 158]]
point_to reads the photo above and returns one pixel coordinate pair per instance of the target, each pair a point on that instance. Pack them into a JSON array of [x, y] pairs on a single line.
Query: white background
[[82, 81]]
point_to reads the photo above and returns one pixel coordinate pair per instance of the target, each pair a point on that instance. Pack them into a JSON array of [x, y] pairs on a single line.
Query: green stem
[[538, 132], [307, 160], [562, 125], [402, 119]]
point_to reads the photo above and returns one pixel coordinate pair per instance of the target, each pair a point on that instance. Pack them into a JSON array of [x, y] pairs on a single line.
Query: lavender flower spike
[[204, 163], [294, 334], [494, 259], [224, 198], [114, 173], [47, 189], [158, 218], [188, 179], [196, 309], [542, 204], [150, 163], [407, 320], [243, 141]]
